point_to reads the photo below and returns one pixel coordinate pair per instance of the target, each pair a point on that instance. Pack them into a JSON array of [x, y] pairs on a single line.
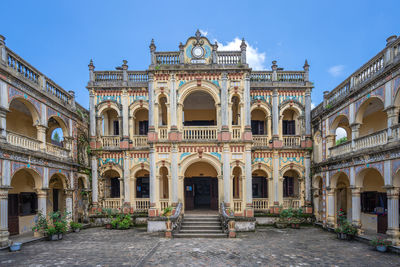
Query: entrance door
[[214, 194], [55, 199], [382, 223], [189, 194], [13, 224]]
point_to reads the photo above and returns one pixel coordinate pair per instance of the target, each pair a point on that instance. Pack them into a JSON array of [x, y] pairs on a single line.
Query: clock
[[198, 52]]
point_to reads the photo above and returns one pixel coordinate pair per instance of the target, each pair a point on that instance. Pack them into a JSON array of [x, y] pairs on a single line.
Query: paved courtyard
[[266, 247]]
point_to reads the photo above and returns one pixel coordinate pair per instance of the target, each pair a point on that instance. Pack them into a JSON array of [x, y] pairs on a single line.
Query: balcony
[[57, 151], [260, 204], [23, 141], [260, 140], [291, 141], [293, 203], [236, 133], [340, 149], [162, 133], [112, 203], [112, 141], [164, 203], [237, 205], [141, 204], [198, 133], [140, 141], [371, 140]]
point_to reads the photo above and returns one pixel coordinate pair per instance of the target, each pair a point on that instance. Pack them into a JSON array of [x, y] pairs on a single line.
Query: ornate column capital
[[355, 191]]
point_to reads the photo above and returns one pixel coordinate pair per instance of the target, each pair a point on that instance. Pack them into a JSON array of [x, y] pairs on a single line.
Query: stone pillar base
[[4, 234], [153, 212], [394, 235]]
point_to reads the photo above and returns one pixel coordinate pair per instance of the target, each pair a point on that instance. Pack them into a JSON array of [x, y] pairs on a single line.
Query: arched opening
[[82, 201], [260, 184], [141, 122], [317, 147], [199, 109], [318, 198], [23, 201], [56, 194], [110, 122], [22, 118], [373, 201], [371, 116], [164, 186], [112, 184], [258, 122], [343, 195], [235, 110], [291, 189], [201, 187], [290, 122], [341, 129], [163, 111], [142, 184], [56, 130]]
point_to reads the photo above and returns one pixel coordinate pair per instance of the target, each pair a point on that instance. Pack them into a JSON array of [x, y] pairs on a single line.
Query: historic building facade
[[38, 172], [360, 173], [199, 127]]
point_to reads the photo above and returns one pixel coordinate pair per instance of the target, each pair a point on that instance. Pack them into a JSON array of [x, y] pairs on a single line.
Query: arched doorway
[[199, 109], [56, 195], [290, 122], [110, 122], [164, 184], [112, 184], [201, 187], [23, 201], [373, 201], [260, 190], [371, 116], [318, 198], [341, 184], [291, 189]]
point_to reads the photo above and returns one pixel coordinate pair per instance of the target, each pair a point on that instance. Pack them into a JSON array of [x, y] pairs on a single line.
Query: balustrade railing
[[141, 204], [19, 65], [22, 141], [237, 205], [112, 203], [261, 76], [291, 141], [260, 204], [167, 58], [293, 203], [199, 133], [138, 76], [57, 151], [163, 132], [108, 76], [371, 140], [396, 131], [140, 140], [228, 57], [339, 93], [340, 149], [260, 140], [236, 133], [290, 76], [110, 141], [56, 91], [366, 72], [164, 204]]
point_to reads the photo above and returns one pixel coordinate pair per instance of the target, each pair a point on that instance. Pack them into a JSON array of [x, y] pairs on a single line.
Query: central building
[[200, 127]]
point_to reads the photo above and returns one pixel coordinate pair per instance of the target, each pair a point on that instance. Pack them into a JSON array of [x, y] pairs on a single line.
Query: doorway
[[201, 193]]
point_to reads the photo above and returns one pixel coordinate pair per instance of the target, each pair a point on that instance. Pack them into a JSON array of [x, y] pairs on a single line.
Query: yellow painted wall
[[204, 114], [372, 123], [140, 115], [199, 168], [21, 123]]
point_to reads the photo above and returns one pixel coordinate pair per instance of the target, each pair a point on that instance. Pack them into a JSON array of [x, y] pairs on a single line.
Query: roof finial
[[152, 46], [91, 65], [243, 45], [306, 66]]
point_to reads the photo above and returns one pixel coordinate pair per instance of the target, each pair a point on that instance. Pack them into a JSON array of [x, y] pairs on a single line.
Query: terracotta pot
[[108, 226], [168, 224]]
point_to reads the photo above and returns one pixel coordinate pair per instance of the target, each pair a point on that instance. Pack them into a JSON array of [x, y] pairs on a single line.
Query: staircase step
[[198, 231], [201, 219], [203, 227], [200, 235], [201, 223]]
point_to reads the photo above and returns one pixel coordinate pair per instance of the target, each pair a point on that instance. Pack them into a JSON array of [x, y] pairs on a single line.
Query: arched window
[[199, 110], [235, 110]]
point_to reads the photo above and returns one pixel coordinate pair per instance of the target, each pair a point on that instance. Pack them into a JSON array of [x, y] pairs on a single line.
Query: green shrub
[[121, 222], [75, 225]]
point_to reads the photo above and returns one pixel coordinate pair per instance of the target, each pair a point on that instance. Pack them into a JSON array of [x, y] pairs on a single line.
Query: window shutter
[[290, 186]]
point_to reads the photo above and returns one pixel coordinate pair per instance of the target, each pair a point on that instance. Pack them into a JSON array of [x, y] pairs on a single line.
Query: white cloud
[[336, 71], [340, 133], [255, 59], [203, 32], [312, 105]]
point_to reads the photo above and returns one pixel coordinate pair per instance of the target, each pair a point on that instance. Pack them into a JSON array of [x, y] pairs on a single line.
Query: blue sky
[[60, 37]]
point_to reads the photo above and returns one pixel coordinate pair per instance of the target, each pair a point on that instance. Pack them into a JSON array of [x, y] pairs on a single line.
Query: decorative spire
[[274, 65], [91, 66], [306, 66], [243, 45], [198, 34], [152, 46], [124, 65]]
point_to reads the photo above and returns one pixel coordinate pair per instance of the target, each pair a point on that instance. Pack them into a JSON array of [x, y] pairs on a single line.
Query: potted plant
[[296, 218], [40, 225], [380, 244], [167, 213], [59, 222], [285, 216], [15, 246], [110, 217], [76, 227], [51, 233], [121, 222], [345, 230]]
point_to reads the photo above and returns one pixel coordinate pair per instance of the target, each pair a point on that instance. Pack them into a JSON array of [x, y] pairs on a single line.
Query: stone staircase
[[201, 226]]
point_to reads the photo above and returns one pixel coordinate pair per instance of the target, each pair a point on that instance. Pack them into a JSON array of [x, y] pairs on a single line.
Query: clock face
[[197, 51]]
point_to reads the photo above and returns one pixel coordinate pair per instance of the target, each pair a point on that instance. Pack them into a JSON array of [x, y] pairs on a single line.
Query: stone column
[[224, 101], [275, 175], [249, 182], [125, 115], [354, 133], [153, 192], [3, 106], [41, 136], [356, 205], [92, 110], [68, 203], [247, 114], [308, 111], [275, 113], [172, 100], [3, 125], [4, 216], [99, 125], [307, 165], [127, 194], [392, 113], [95, 186], [393, 215], [151, 101], [42, 199], [3, 53], [243, 47], [331, 207], [174, 174], [226, 175]]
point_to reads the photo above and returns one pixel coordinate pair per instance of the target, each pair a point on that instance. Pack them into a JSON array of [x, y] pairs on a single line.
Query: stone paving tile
[[266, 247]]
